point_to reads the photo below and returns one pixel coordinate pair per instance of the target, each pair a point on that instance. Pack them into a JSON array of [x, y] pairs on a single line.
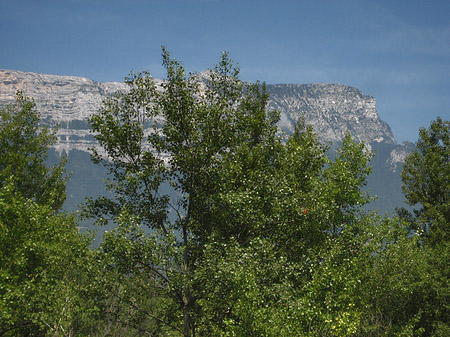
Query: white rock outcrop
[[332, 109]]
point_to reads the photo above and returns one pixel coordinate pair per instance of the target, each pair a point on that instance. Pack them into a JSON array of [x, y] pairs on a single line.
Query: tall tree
[[198, 160], [426, 181], [196, 127], [41, 251]]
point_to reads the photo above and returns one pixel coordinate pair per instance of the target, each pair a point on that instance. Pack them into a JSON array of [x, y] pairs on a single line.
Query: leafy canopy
[[41, 252], [197, 161], [426, 181]]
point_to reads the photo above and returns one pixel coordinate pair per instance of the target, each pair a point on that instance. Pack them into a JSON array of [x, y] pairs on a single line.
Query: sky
[[397, 51]]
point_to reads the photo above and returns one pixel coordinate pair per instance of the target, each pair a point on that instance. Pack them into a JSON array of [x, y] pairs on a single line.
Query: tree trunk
[[186, 317]]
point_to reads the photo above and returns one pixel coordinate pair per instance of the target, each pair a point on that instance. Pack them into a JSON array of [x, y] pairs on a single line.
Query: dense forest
[[223, 226]]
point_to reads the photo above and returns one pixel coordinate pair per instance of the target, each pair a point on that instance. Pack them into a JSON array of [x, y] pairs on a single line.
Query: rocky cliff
[[332, 109], [64, 100]]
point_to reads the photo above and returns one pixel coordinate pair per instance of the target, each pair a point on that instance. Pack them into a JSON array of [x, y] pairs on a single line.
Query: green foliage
[[369, 280], [39, 275], [342, 273], [239, 294], [426, 181], [44, 261], [24, 145]]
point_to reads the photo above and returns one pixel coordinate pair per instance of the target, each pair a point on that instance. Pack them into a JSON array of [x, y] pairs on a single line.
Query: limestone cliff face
[[332, 109], [64, 100]]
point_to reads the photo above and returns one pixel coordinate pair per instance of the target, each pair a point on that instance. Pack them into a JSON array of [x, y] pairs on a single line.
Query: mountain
[[332, 110]]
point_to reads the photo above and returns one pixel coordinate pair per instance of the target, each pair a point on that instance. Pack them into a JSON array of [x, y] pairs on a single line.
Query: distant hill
[[332, 110]]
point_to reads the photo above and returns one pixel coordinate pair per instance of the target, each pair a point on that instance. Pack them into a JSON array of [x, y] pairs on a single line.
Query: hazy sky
[[397, 51]]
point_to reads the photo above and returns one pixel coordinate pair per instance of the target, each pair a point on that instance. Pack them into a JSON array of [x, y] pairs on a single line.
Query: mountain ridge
[[331, 109]]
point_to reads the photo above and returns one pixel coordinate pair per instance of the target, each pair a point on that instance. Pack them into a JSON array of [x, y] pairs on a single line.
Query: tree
[[195, 131], [24, 145], [426, 184], [43, 258], [198, 161], [426, 181]]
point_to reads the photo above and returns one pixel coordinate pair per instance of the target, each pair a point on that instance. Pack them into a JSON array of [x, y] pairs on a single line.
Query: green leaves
[[24, 145], [39, 274], [426, 180], [44, 260]]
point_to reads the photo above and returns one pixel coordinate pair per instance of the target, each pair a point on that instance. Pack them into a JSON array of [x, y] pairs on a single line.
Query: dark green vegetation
[[222, 227], [426, 182], [41, 252]]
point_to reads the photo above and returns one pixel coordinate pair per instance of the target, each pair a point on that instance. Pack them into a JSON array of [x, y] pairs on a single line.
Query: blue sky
[[396, 50]]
